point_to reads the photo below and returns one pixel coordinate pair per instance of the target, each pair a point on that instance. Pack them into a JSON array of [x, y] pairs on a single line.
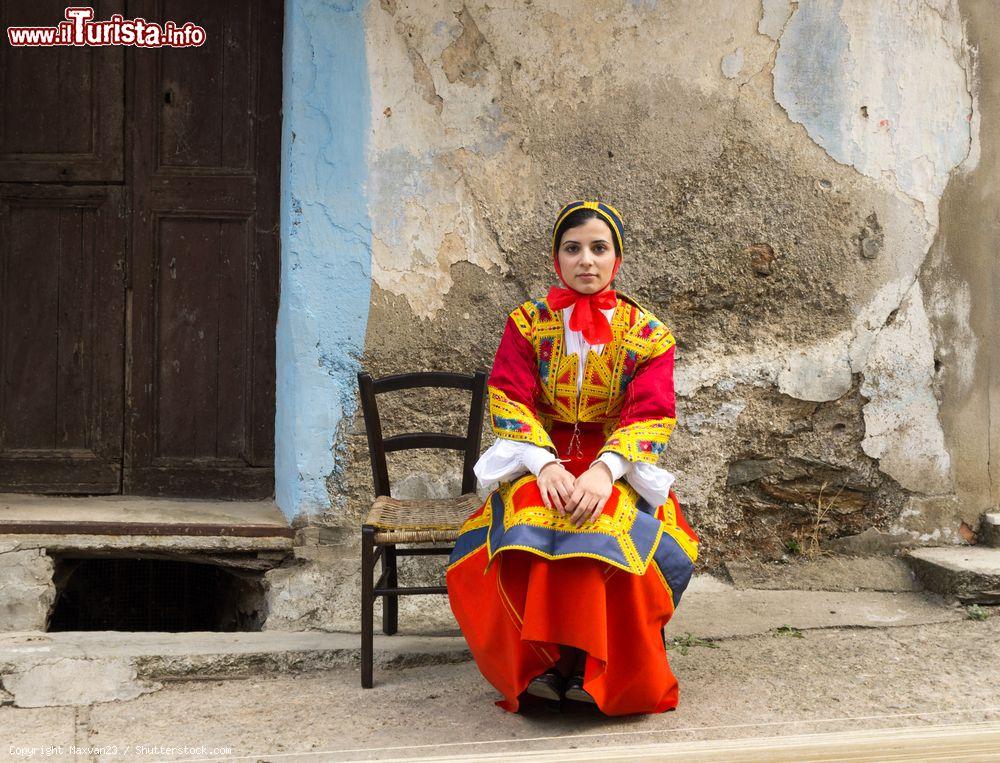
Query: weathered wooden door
[[206, 136], [138, 334], [62, 256]]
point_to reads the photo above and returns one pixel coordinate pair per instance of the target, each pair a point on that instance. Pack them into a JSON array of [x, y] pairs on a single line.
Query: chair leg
[[390, 602], [367, 604]]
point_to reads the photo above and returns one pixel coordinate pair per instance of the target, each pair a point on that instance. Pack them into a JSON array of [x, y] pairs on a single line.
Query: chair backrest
[[379, 446]]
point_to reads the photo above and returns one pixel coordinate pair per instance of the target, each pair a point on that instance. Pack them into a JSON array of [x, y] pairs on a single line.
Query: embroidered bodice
[[535, 381]]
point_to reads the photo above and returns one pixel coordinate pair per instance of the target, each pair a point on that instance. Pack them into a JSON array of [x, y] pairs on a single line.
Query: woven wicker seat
[[429, 521], [427, 527]]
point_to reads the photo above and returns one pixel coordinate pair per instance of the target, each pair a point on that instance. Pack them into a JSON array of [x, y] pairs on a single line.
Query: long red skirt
[[517, 607]]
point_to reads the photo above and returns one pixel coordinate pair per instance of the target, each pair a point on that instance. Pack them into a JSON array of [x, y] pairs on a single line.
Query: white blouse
[[506, 459]]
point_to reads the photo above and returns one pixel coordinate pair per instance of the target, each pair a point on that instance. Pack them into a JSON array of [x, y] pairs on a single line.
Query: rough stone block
[[871, 542], [67, 681], [26, 589], [819, 373], [321, 590], [935, 520], [878, 573], [966, 572]]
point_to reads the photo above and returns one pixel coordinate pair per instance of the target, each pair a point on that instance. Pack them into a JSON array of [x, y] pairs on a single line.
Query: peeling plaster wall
[[325, 246], [780, 167], [961, 283], [858, 76]]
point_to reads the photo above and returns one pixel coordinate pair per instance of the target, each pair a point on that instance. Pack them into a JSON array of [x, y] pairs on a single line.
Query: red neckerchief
[[587, 317]]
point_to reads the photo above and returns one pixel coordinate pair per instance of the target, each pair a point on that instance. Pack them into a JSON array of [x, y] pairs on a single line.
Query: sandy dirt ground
[[772, 685]]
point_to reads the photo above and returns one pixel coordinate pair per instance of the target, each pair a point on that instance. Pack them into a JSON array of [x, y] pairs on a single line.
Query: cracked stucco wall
[[961, 281], [781, 168]]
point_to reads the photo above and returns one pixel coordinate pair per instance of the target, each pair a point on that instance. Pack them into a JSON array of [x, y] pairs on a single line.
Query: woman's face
[[587, 256]]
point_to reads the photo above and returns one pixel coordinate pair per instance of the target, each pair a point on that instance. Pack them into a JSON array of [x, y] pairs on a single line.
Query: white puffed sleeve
[[617, 463], [650, 481], [506, 459]]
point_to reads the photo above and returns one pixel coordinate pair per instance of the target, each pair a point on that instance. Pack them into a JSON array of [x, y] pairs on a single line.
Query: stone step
[[972, 573], [989, 530], [825, 573], [81, 668]]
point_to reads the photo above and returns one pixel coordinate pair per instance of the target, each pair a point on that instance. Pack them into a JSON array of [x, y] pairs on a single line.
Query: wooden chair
[[392, 521]]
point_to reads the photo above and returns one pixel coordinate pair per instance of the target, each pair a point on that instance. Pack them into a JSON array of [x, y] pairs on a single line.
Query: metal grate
[[146, 595]]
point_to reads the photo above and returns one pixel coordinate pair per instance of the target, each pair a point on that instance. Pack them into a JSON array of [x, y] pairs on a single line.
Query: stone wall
[[809, 197], [26, 588], [780, 169]]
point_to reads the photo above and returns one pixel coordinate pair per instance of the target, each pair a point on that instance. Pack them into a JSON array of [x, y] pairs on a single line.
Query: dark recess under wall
[[139, 594]]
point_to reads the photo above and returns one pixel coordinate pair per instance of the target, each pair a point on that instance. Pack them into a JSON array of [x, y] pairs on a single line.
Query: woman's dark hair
[[578, 217]]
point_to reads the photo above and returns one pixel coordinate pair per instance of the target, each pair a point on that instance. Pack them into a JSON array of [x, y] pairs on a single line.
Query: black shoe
[[575, 690], [548, 685]]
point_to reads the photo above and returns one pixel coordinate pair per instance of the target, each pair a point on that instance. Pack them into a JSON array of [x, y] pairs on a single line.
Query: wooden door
[[62, 255], [203, 272], [139, 255]]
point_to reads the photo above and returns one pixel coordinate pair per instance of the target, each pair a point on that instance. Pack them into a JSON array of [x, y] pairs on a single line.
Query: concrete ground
[[813, 673]]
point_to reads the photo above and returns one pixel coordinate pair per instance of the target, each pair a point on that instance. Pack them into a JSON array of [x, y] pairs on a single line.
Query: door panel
[[139, 255], [62, 112], [62, 248], [204, 255], [204, 124], [61, 337], [202, 323]]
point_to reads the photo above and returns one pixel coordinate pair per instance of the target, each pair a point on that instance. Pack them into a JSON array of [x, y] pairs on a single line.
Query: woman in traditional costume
[[563, 580]]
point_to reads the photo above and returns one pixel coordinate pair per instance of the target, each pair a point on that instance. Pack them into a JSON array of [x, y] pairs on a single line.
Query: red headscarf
[[587, 317]]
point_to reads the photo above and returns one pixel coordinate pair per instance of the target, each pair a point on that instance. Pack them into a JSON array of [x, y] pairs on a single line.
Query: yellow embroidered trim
[[616, 526], [685, 541], [633, 351], [669, 513], [612, 526], [606, 374], [663, 343], [515, 421], [553, 557], [548, 339], [641, 441], [523, 323], [473, 523]]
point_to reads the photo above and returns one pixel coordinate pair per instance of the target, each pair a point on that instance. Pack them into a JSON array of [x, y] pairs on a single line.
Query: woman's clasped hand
[[582, 497]]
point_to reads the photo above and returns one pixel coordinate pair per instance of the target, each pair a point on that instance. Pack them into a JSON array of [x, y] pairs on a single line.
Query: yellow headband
[[608, 213]]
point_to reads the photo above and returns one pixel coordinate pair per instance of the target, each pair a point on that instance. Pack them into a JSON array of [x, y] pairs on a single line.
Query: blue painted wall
[[325, 244]]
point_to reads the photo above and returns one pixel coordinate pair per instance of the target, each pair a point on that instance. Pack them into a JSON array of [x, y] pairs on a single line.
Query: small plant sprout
[[683, 643], [975, 612], [788, 630]]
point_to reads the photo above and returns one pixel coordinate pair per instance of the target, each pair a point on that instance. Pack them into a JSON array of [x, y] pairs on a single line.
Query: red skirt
[[521, 583]]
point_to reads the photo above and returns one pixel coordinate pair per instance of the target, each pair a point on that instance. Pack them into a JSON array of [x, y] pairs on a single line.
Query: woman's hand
[[592, 490], [555, 484]]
